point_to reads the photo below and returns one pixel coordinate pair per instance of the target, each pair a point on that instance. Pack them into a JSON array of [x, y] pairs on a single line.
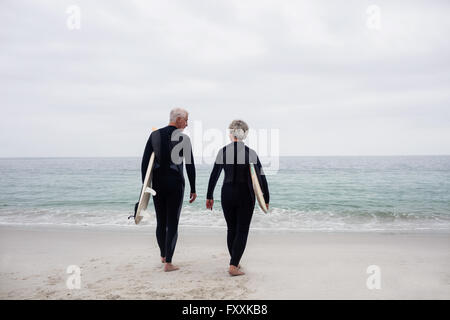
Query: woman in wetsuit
[[238, 197]]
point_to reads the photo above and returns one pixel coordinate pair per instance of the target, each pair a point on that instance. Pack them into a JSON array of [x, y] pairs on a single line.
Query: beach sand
[[124, 264]]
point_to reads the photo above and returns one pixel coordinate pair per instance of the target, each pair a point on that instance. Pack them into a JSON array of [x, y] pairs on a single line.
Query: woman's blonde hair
[[238, 129]]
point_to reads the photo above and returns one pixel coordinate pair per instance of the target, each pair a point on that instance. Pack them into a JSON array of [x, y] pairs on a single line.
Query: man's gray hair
[[238, 129], [177, 113]]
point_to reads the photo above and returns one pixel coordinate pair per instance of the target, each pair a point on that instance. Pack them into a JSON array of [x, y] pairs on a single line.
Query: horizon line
[[281, 156]]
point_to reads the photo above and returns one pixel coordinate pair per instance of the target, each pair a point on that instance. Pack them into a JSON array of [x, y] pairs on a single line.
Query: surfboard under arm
[[257, 188], [146, 190]]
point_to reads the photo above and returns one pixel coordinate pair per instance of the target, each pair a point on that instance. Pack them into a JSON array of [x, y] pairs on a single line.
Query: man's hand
[[193, 196], [267, 205], [209, 203]]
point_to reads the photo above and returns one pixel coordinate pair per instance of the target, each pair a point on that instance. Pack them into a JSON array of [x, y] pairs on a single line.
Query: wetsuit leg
[[244, 217], [174, 204], [238, 210], [168, 202], [161, 221], [229, 211]]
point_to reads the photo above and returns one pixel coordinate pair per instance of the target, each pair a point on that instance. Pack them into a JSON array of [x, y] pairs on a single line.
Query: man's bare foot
[[163, 259], [170, 267], [234, 271]]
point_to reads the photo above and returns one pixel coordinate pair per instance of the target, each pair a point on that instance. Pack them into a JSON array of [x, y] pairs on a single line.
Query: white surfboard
[[146, 190], [257, 188]]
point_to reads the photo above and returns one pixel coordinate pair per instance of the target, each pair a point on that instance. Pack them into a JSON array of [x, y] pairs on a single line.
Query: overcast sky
[[331, 83]]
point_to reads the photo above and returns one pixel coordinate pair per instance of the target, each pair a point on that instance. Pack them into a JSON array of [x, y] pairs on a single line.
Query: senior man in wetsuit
[[171, 146]]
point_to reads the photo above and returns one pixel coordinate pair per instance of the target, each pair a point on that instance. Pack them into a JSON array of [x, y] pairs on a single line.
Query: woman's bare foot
[[163, 259], [170, 267], [234, 271]]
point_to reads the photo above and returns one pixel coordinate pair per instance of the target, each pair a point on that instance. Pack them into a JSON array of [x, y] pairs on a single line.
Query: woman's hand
[[209, 203]]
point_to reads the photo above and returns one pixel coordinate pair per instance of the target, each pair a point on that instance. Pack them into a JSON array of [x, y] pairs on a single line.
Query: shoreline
[[212, 229], [124, 264]]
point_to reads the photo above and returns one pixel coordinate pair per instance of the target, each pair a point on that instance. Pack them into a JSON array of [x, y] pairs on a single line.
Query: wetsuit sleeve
[[190, 170], [264, 186], [146, 158], [217, 169]]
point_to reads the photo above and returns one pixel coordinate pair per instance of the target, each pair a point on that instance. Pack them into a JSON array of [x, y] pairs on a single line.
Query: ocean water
[[408, 193]]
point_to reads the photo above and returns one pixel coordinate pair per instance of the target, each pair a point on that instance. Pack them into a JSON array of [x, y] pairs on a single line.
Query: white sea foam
[[276, 219]]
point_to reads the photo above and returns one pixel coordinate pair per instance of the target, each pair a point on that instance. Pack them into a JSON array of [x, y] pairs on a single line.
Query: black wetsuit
[[238, 197], [170, 147]]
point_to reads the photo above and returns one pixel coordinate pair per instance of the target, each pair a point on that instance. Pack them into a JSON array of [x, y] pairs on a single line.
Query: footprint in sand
[[46, 293], [54, 280], [101, 281], [126, 267]]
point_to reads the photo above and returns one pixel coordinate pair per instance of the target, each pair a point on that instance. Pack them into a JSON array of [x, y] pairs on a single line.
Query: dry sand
[[124, 264]]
